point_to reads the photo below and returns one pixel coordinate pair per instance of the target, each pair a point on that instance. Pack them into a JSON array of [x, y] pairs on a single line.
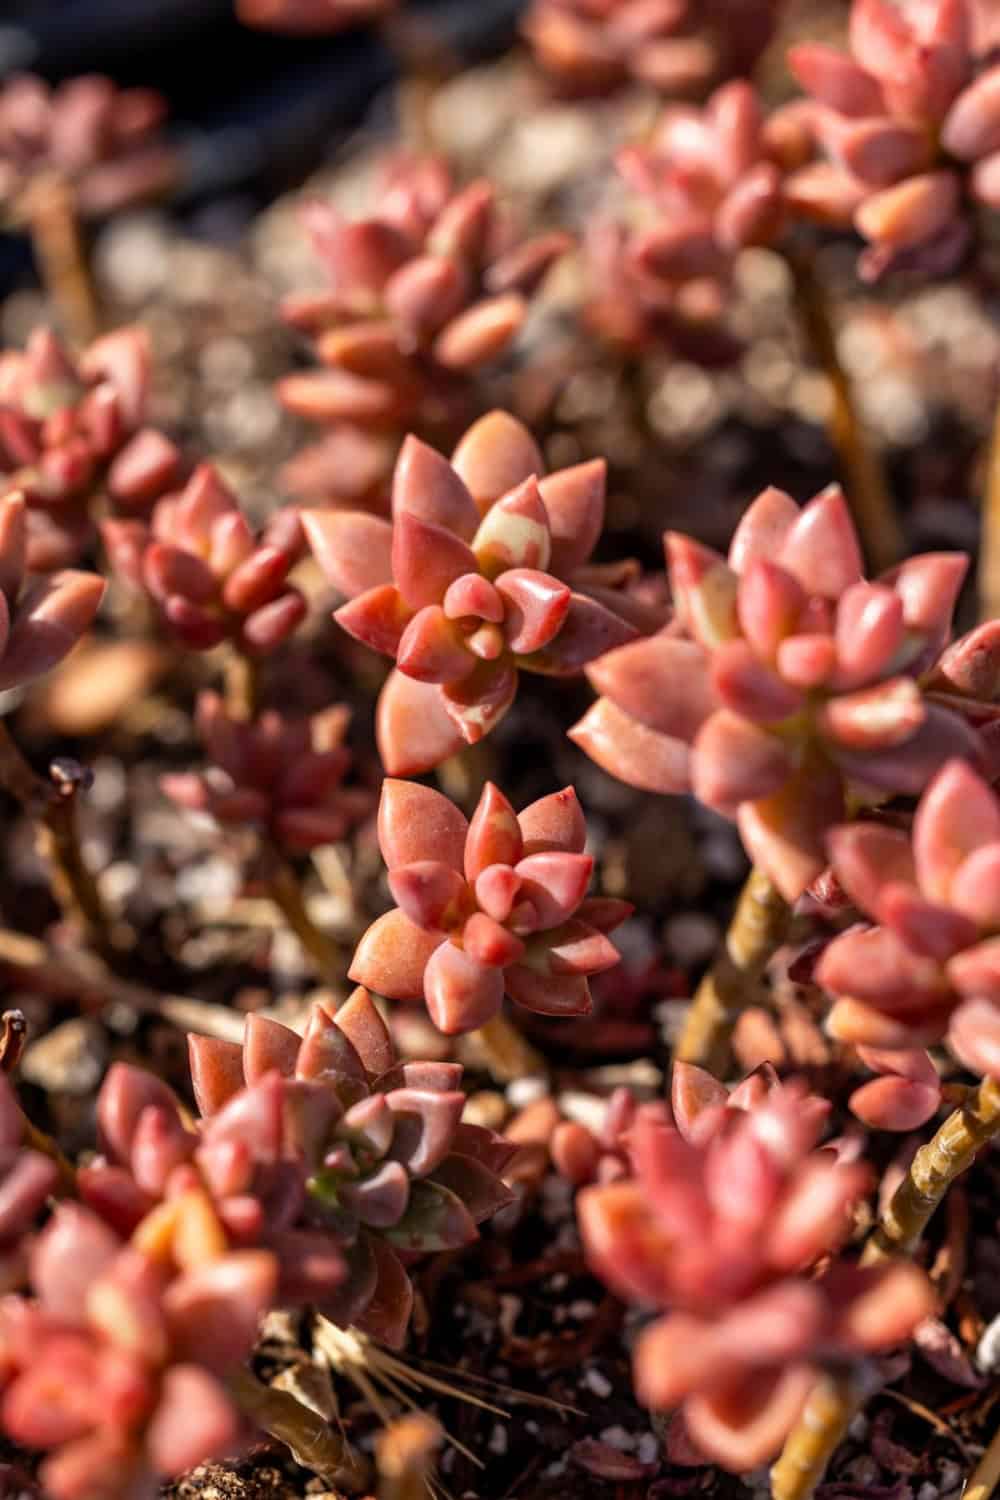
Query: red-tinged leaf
[[464, 226], [386, 1316], [874, 718], [734, 761], [623, 1242], [536, 606], [266, 628], [630, 751], [574, 502], [461, 993], [257, 581], [488, 943], [970, 666], [413, 730], [195, 1421], [868, 856], [478, 703], [574, 948], [426, 558], [548, 994], [704, 589], [72, 1251], [353, 549], [473, 595], [359, 1020], [494, 834], [213, 1310], [604, 912], [554, 884], [474, 1184], [417, 823], [216, 1071], [433, 895], [769, 602], [859, 1024], [928, 928], [894, 1103], [972, 127], [694, 1094], [588, 631], [425, 1124], [377, 617], [268, 1047], [125, 1094], [426, 485], [425, 293], [880, 152], [762, 530], [929, 586], [976, 972], [974, 1036], [496, 455], [835, 80], [744, 684], [49, 620], [975, 887], [821, 548], [434, 1220], [785, 833], [910, 213], [433, 649], [553, 823], [497, 889], [143, 469], [661, 681], [492, 1151], [392, 956], [875, 966], [515, 532], [326, 1052], [742, 1426], [13, 544], [379, 1199], [339, 396], [482, 333], [906, 769], [958, 814]]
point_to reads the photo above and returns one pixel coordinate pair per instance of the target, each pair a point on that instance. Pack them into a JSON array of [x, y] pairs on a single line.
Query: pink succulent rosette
[[485, 908], [320, 1149], [432, 288], [676, 46], [911, 125], [279, 774], [104, 140], [312, 17], [787, 679], [211, 576], [931, 968], [480, 575], [72, 430], [41, 619], [114, 1365], [723, 1223]]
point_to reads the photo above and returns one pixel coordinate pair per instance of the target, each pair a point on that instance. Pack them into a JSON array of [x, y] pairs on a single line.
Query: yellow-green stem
[[49, 210], [757, 929], [828, 1412], [864, 476], [986, 1474], [242, 684], [285, 891]]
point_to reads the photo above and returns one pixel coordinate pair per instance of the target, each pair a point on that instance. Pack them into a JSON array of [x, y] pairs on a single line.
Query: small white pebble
[[598, 1383], [552, 1470], [928, 1491], [498, 1439], [510, 1308], [582, 1308], [617, 1437], [858, 1429], [988, 1348], [649, 1448], [531, 1426], [524, 1091], [559, 1281]]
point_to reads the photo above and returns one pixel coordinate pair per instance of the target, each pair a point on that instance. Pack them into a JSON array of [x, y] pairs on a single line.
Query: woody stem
[[986, 1474], [757, 929], [53, 805], [285, 890], [242, 685], [868, 490], [833, 1404], [50, 213], [989, 556]]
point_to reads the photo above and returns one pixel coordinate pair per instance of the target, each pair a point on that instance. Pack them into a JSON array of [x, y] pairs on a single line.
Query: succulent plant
[[492, 906], [582, 1155], [312, 17], [211, 576], [27, 1178], [321, 1149], [115, 1364], [911, 125], [102, 139], [422, 295], [71, 430], [928, 970], [41, 620], [278, 774], [480, 574], [723, 1223], [676, 46], [786, 679]]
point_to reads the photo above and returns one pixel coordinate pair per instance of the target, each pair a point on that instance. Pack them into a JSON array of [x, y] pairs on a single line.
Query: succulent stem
[[242, 684], [986, 1474], [989, 556], [285, 891], [831, 1406], [505, 1054], [757, 929], [53, 805], [871, 500], [49, 210]]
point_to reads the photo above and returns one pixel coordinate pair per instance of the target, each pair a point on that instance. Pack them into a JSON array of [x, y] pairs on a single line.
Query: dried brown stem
[[285, 891], [53, 804], [504, 1053], [986, 1474], [935, 1167], [864, 476], [242, 684], [757, 929], [314, 1442], [989, 553], [48, 207]]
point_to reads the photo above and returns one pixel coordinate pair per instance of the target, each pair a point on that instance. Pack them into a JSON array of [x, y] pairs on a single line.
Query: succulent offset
[[486, 908]]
